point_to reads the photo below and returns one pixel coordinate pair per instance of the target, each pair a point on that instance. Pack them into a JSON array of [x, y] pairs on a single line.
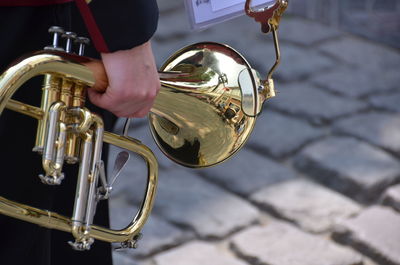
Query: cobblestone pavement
[[317, 181]]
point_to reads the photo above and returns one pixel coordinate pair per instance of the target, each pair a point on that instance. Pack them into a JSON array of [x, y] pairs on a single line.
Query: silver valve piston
[[57, 31], [82, 41], [70, 37]]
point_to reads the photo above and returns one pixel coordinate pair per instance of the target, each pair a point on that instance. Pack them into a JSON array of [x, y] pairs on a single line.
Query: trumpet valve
[[70, 37], [57, 31]]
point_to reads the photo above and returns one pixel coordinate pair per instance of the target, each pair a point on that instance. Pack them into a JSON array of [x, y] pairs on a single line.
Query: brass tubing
[[25, 109], [67, 96], [152, 177], [52, 164], [78, 101], [277, 53], [81, 195], [53, 220], [38, 64], [50, 94]]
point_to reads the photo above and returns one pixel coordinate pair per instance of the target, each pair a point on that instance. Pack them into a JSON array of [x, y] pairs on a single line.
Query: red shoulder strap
[[94, 31]]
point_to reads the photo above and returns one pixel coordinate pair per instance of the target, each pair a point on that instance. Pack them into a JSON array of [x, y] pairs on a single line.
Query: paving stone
[[386, 101], [391, 197], [247, 172], [311, 206], [302, 99], [197, 253], [375, 232], [185, 199], [157, 233], [305, 32], [279, 135], [356, 82], [362, 53], [381, 129], [278, 243], [133, 176], [349, 166], [298, 63], [122, 259]]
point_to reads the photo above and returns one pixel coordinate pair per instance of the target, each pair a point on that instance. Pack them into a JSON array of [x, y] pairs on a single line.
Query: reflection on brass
[[168, 126], [204, 104]]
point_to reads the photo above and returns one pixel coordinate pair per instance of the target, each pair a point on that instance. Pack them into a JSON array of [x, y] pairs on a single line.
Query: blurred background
[[317, 181]]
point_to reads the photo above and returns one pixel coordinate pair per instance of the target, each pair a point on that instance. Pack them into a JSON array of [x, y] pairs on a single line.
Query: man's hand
[[133, 82]]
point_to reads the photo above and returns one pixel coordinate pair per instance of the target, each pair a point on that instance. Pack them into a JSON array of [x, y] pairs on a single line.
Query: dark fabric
[[32, 2], [125, 24], [24, 29]]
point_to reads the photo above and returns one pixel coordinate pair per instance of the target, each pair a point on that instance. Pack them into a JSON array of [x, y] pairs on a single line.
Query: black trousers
[[24, 29]]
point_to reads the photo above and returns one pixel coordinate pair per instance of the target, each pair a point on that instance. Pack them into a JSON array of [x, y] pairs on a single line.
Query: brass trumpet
[[204, 113]]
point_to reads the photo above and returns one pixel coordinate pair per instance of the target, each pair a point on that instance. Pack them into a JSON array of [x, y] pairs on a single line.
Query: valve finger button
[[82, 41], [57, 32], [70, 37]]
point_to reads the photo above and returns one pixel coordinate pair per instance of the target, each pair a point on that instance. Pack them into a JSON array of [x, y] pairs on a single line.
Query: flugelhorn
[[204, 113]]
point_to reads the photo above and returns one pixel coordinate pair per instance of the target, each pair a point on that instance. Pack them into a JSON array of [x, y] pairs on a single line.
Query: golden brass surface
[[205, 125], [56, 66]]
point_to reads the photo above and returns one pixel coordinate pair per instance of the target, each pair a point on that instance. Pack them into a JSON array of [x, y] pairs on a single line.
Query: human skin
[[133, 82]]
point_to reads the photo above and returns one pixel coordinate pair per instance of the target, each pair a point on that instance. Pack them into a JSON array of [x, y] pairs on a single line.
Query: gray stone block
[[349, 166], [304, 100], [356, 82], [197, 253], [386, 101], [391, 197], [279, 135], [185, 199], [305, 32], [375, 232], [247, 172], [381, 129], [311, 206], [122, 259], [298, 63], [157, 233], [278, 243], [361, 53]]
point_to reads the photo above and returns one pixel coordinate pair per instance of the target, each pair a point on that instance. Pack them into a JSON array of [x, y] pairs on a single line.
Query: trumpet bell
[[215, 102]]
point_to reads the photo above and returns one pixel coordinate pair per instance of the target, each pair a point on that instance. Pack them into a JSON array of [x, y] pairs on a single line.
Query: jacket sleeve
[[125, 23]]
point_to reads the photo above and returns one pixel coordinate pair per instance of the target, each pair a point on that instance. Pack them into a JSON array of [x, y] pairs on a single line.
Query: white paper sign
[[205, 13], [222, 4]]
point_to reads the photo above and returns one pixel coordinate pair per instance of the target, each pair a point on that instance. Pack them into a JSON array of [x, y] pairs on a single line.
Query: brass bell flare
[[207, 105]]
